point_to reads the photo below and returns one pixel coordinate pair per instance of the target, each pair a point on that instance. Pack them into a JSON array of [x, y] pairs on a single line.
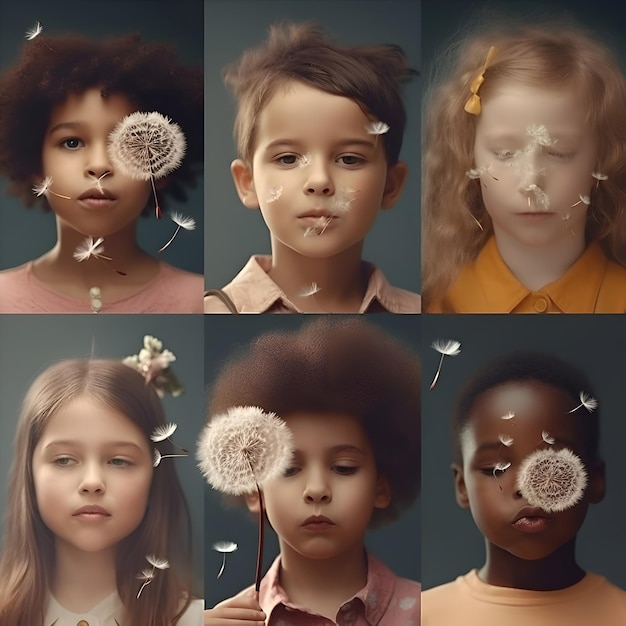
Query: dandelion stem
[[432, 385], [147, 582], [59, 195], [159, 215], [259, 556], [223, 565], [172, 239]]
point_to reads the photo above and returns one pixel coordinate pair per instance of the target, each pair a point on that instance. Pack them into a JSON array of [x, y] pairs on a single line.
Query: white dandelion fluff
[[147, 575], [243, 448], [181, 221], [273, 194], [583, 200], [508, 416], [157, 563], [553, 480], [599, 177], [224, 548], [475, 172], [304, 160], [88, 248], [587, 401], [147, 146], [33, 32], [45, 187], [319, 226], [541, 198], [376, 128], [539, 135], [506, 440], [342, 200], [309, 290], [501, 466], [160, 433], [448, 347], [547, 437]]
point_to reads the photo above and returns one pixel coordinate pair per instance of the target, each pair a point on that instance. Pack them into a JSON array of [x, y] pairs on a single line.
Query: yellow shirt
[[594, 284], [468, 601]]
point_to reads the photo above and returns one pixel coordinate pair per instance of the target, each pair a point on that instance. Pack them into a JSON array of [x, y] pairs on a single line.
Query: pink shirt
[[171, 291], [386, 600], [253, 291]]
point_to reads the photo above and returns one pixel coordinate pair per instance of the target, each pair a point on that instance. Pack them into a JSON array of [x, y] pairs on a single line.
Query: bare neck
[[536, 267], [556, 571], [81, 580], [323, 585], [340, 279]]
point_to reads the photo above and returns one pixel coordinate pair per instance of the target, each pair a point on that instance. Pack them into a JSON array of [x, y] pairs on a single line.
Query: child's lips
[[97, 199], [531, 520], [317, 523]]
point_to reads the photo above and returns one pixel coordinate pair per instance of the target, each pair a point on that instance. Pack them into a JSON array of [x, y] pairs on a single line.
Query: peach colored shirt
[[594, 284], [171, 291], [386, 600], [471, 602], [253, 291]]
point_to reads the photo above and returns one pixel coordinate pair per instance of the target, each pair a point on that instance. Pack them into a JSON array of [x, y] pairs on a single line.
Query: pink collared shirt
[[253, 291], [386, 600]]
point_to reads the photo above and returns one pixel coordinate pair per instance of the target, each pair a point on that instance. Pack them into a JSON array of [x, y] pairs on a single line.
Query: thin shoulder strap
[[224, 297]]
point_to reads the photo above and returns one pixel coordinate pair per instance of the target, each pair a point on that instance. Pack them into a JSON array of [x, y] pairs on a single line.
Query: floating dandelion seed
[[583, 200], [341, 201], [274, 194], [157, 457], [304, 160], [508, 416], [547, 437], [240, 450], [147, 575], [598, 176], [376, 128], [309, 290], [445, 348], [98, 179], [44, 188], [153, 363], [542, 200], [147, 146], [33, 32], [224, 548], [90, 247], [188, 223], [587, 401], [553, 480], [540, 136], [501, 467], [474, 173], [566, 223], [318, 228], [505, 440], [161, 433]]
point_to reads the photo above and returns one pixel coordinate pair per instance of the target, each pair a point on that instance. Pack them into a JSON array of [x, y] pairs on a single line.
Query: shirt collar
[[575, 292], [374, 597], [255, 292]]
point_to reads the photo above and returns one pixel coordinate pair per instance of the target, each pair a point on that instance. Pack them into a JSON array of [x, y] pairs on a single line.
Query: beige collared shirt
[[253, 291]]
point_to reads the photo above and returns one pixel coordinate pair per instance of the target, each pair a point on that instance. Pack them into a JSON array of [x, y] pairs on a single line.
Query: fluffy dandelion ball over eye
[[146, 145], [554, 480], [243, 448]]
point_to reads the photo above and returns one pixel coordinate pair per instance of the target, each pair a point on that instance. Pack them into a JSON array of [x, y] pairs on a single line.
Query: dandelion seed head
[[146, 145], [188, 223], [505, 440], [376, 128], [33, 32], [243, 448], [554, 480], [160, 433], [224, 546], [449, 347]]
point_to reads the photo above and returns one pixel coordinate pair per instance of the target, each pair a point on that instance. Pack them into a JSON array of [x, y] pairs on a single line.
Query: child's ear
[[396, 179], [244, 183], [382, 498], [460, 489], [252, 502], [597, 482]]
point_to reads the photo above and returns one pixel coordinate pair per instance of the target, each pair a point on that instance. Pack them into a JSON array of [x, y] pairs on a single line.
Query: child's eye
[[561, 155], [504, 155], [350, 160], [120, 462], [287, 160], [64, 461], [345, 470], [72, 143], [291, 471]]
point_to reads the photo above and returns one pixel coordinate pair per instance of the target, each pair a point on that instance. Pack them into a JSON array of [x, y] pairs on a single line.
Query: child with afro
[[318, 130], [527, 465], [59, 104], [350, 395]]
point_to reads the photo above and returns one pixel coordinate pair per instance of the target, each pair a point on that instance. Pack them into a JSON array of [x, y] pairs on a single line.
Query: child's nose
[[317, 490], [318, 179], [98, 162], [92, 480]]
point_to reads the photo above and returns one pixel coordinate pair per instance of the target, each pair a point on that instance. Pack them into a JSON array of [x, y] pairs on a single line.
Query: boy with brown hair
[[318, 130]]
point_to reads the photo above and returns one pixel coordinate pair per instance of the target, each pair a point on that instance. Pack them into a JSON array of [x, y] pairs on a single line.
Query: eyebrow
[[343, 142], [66, 126], [111, 444], [497, 445], [342, 447]]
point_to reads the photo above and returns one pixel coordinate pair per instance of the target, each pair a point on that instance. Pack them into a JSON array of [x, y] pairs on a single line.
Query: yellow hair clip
[[473, 102]]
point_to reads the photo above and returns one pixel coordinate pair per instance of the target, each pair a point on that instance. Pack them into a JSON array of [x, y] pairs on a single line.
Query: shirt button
[[541, 305]]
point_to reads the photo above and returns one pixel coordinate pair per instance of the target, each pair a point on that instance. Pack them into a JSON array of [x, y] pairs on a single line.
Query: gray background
[[397, 545], [26, 234], [451, 543], [233, 233], [29, 344]]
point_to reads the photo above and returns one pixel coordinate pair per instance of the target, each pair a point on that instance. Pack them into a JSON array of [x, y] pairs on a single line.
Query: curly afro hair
[[51, 68], [348, 367]]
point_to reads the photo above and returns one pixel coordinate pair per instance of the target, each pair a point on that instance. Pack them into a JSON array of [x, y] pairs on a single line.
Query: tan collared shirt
[[594, 284], [253, 291]]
